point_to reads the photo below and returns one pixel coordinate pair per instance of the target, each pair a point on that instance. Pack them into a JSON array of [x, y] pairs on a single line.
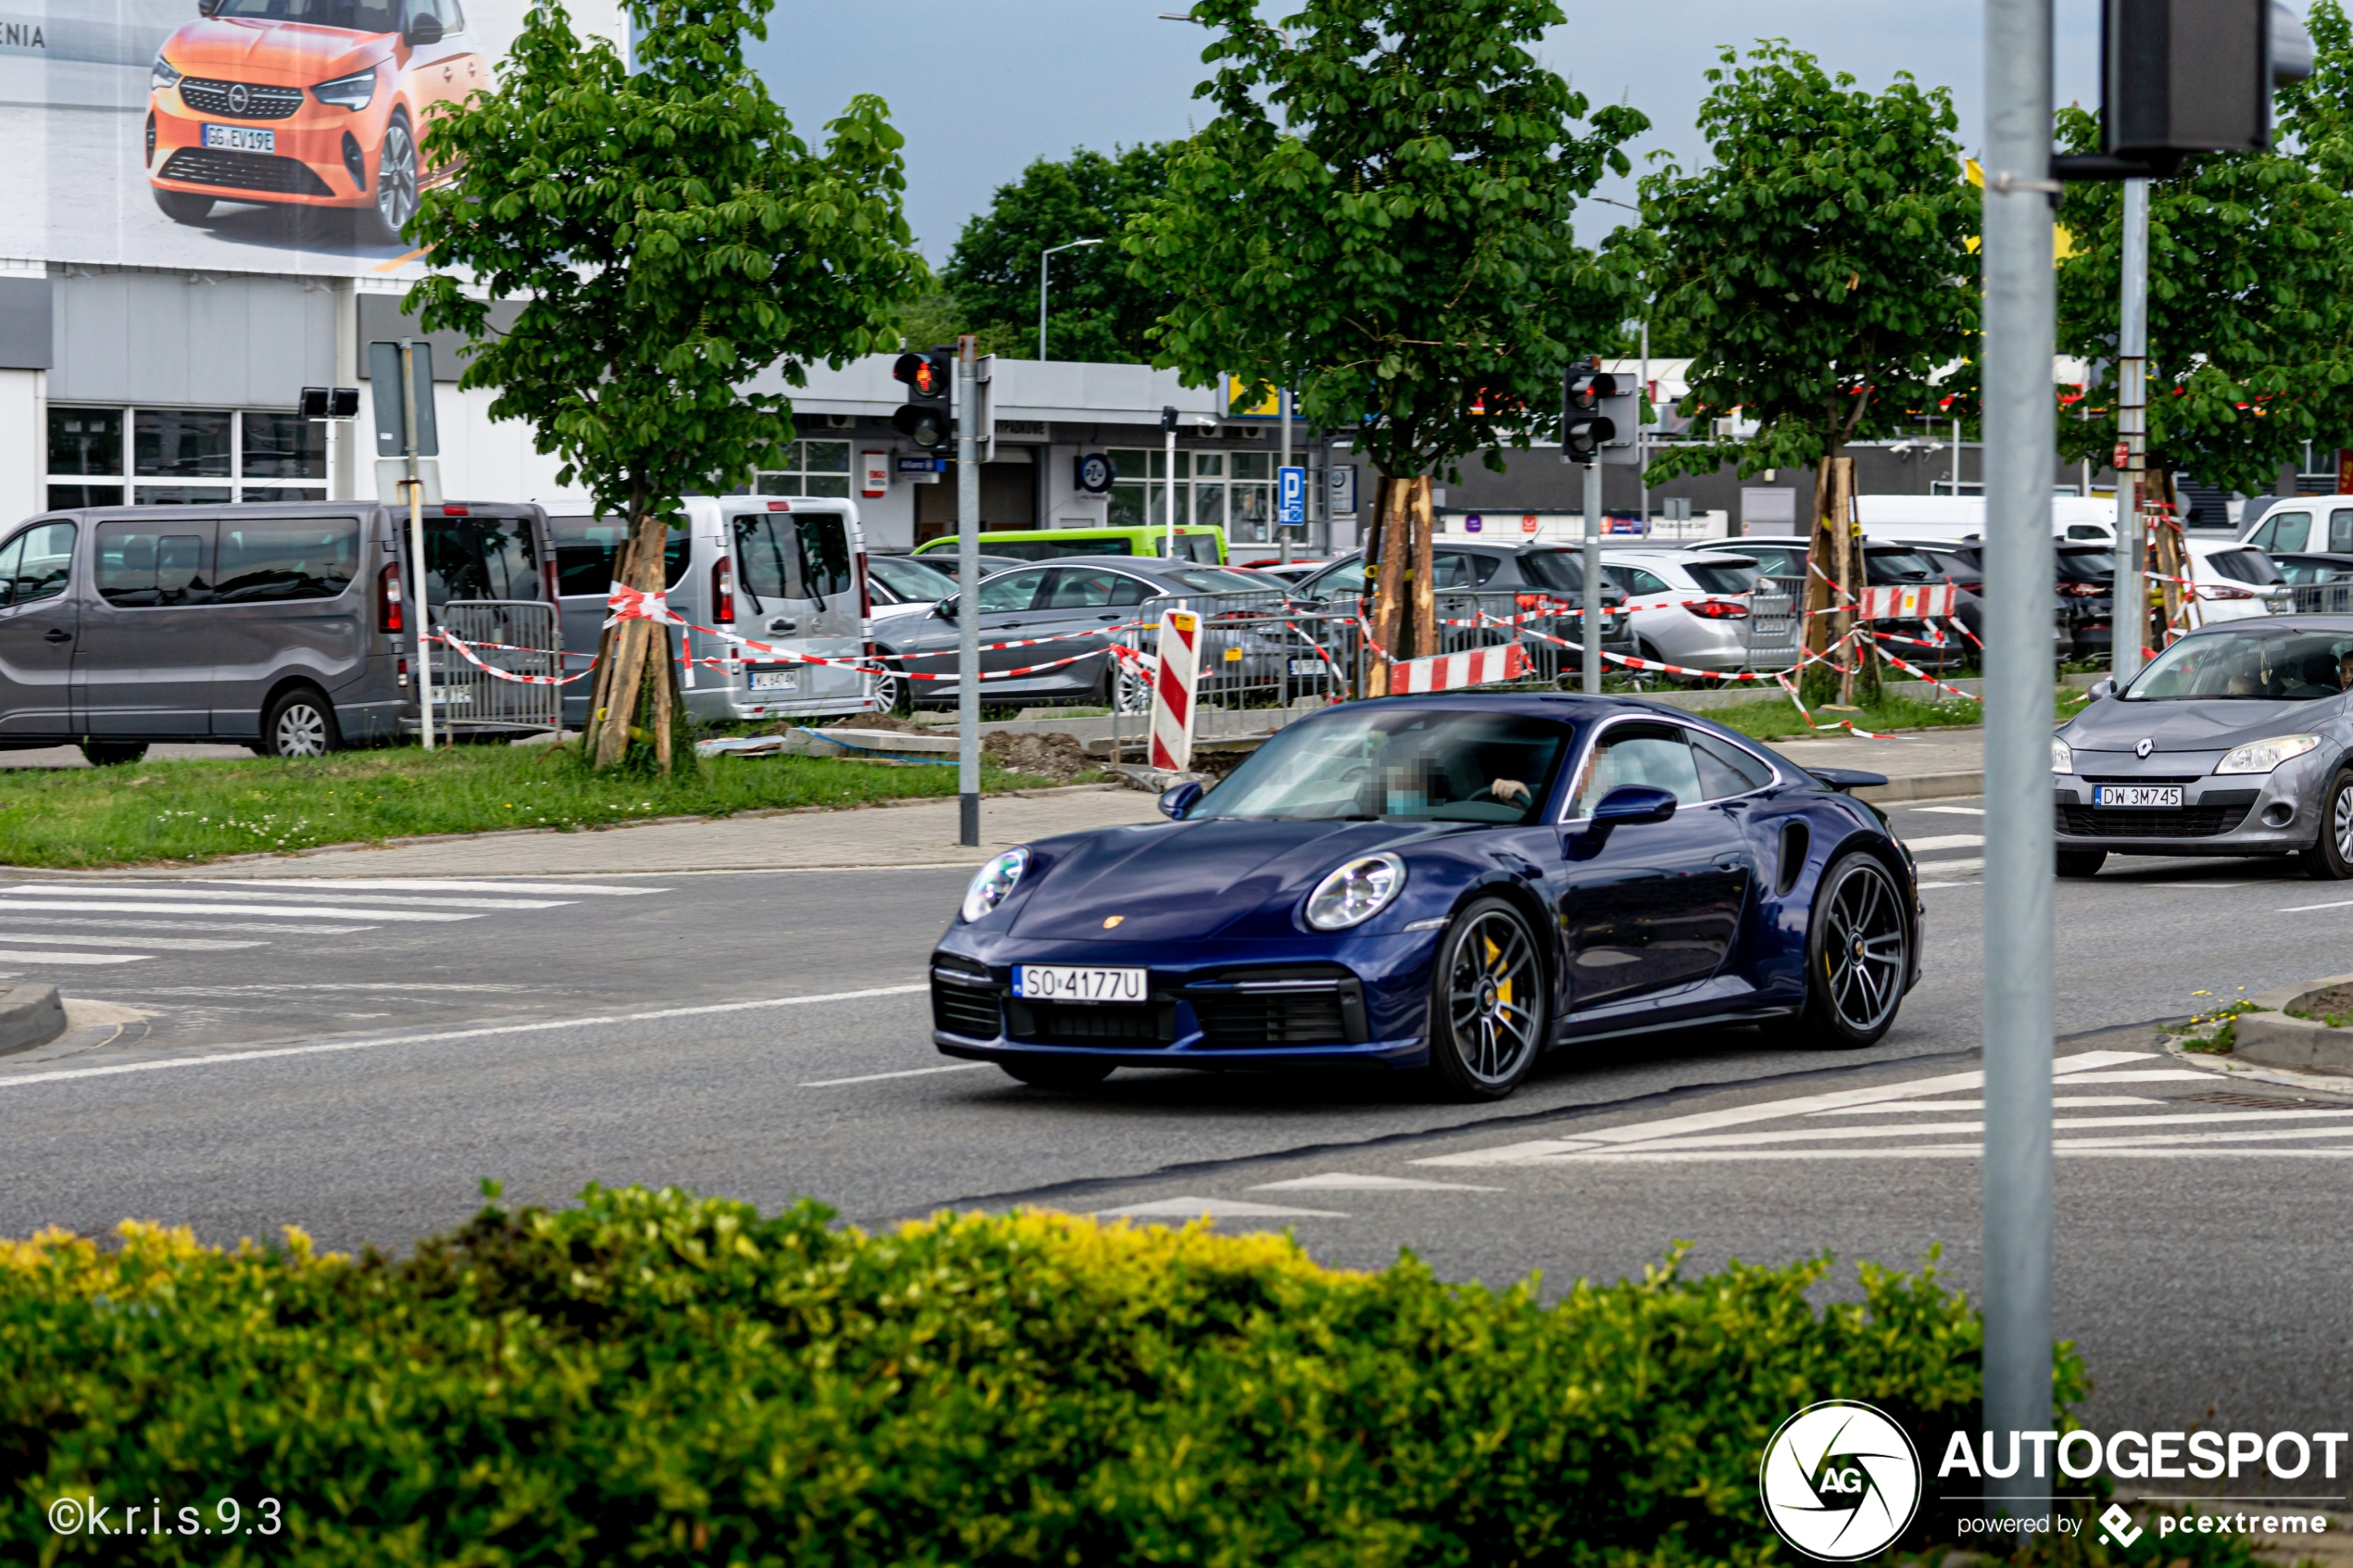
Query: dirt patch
[[2330, 1005], [1056, 756]]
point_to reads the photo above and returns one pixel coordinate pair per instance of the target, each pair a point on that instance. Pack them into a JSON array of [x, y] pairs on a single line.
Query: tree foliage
[[1819, 269], [1096, 310], [2251, 329], [1379, 217], [669, 238]]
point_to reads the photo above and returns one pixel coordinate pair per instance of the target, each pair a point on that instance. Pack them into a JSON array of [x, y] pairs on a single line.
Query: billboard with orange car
[[242, 135]]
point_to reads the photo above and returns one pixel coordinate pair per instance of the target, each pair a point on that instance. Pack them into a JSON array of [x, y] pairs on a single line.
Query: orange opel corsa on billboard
[[305, 103]]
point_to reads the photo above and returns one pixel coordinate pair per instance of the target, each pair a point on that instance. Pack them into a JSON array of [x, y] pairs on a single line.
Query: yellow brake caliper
[[1502, 986]]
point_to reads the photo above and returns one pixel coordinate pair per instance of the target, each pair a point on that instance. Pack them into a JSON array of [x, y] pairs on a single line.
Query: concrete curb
[[2270, 1039], [1923, 786], [29, 1016]]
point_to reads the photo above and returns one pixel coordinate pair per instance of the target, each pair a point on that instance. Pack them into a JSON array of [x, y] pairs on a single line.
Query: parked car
[[305, 103], [1481, 575], [1689, 608], [277, 627], [1292, 571], [2087, 584], [1059, 611], [791, 573], [1963, 565], [2234, 582], [1448, 886], [903, 582], [2295, 525], [945, 563], [1195, 541]]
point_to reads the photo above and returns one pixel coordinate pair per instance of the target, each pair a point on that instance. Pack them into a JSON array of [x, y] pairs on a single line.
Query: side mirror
[[945, 610], [1631, 804], [424, 32], [1181, 799], [207, 7], [2102, 688]]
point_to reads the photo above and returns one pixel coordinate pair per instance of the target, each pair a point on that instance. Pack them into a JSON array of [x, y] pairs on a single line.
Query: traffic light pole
[[2130, 620], [1593, 577], [2021, 306], [968, 590]]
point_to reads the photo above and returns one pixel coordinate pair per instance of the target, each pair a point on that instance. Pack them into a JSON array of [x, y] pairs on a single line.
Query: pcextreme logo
[[1840, 1481]]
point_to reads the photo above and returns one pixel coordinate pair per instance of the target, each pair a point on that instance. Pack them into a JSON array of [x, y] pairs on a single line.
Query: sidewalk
[[1918, 764]]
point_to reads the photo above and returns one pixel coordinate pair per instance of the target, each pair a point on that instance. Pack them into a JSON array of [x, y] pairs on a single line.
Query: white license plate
[[240, 139], [1308, 667], [2136, 795], [1057, 982], [443, 696], [776, 679]]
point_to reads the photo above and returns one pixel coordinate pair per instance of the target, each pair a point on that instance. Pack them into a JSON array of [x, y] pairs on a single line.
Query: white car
[[2234, 582], [1688, 607]]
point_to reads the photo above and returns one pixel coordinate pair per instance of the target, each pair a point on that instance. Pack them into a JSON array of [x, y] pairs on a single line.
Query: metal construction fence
[[522, 637], [1776, 623], [2323, 598]]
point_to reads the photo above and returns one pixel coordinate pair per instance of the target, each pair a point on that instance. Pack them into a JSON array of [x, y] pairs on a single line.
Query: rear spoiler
[[1847, 780]]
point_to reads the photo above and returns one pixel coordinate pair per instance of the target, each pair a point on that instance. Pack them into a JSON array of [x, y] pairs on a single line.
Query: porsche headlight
[[354, 92], [2062, 757], [161, 77], [995, 883], [1355, 893], [2262, 755]]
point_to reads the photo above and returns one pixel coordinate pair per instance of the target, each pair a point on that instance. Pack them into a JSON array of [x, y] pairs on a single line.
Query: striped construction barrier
[[1173, 688], [1447, 671]]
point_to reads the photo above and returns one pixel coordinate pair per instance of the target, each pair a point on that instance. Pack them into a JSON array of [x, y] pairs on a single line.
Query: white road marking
[[1948, 811], [1940, 867], [1964, 1105], [1343, 1181], [1963, 1129], [2307, 909], [1945, 841], [46, 921], [1926, 886], [219, 1059], [1212, 1207], [140, 890], [144, 907], [440, 885], [1539, 1149], [12, 955], [162, 944], [910, 1073], [2136, 1075]]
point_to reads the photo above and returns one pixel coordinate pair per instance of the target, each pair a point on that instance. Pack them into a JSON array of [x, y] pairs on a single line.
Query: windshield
[[1558, 569], [1896, 566], [1397, 764], [912, 581], [2085, 566], [359, 16], [1722, 577], [2249, 666]]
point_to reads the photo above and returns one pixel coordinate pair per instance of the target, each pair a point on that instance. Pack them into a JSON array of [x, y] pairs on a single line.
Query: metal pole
[[1282, 404], [968, 590], [1642, 434], [1043, 257], [422, 611], [1168, 545], [2130, 622], [2020, 309], [1593, 577]]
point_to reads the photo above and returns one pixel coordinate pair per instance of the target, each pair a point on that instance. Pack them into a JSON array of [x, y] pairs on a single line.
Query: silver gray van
[[281, 627], [791, 572]]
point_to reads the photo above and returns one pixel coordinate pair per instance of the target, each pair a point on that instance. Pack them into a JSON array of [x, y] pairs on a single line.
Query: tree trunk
[[2173, 605], [1389, 591], [1424, 523], [637, 696], [1830, 586]]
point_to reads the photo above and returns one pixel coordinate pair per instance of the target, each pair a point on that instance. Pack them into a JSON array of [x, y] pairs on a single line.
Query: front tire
[[1489, 1006], [396, 181], [894, 694], [182, 207], [300, 724], [1857, 954], [2076, 864], [1049, 1072], [2331, 857]]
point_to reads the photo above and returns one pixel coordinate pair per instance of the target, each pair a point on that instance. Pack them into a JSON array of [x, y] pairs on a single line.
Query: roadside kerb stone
[[2271, 1038], [29, 1016]]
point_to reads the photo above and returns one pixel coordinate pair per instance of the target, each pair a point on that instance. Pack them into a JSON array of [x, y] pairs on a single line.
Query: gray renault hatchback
[[280, 627]]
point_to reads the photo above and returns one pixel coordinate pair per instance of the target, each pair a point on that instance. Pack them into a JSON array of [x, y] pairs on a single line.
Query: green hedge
[[656, 1378]]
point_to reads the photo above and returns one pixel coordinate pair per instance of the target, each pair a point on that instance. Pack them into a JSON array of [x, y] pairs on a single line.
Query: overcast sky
[[981, 87]]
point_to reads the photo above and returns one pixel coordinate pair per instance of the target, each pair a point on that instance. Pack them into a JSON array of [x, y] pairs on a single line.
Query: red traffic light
[[921, 372]]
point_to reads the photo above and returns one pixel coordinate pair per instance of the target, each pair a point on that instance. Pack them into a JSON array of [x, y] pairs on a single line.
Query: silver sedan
[[2237, 740]]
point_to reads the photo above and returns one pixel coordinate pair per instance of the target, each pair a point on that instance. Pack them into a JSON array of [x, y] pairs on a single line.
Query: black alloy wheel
[[1057, 1072], [395, 180], [1857, 954], [1488, 1005], [300, 724], [2331, 857]]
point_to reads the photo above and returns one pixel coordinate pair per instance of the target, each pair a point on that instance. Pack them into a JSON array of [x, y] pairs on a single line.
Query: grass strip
[[199, 809], [1776, 718]]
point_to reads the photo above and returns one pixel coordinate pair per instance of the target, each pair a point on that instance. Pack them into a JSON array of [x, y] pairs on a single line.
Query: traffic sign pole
[[420, 610]]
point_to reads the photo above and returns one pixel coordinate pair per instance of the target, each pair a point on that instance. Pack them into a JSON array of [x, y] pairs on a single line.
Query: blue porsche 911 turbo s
[[1448, 884]]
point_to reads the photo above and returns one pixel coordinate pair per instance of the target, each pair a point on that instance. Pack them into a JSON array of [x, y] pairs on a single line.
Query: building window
[[1234, 491], [190, 456], [806, 468]]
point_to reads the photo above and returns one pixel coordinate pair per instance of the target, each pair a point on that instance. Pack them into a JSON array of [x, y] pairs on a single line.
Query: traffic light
[[2187, 76], [926, 417], [1622, 413], [1586, 427]]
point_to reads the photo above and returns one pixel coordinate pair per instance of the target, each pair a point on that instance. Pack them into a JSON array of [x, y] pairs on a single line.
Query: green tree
[[1819, 269], [1096, 310], [2251, 329], [670, 237], [1400, 243]]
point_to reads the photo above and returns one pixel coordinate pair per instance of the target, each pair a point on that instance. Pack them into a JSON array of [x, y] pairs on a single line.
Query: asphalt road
[[354, 1059]]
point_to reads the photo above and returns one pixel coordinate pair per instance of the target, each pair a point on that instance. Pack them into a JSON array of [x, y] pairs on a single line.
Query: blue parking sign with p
[[1290, 497]]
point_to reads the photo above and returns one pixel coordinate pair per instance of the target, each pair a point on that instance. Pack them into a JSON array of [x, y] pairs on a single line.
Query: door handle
[[55, 636], [1731, 863], [780, 625]]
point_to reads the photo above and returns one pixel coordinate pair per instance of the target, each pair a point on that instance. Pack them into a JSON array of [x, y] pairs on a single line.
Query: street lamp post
[[1043, 257]]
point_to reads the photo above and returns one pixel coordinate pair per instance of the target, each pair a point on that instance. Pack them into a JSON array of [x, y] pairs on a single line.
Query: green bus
[[1201, 544]]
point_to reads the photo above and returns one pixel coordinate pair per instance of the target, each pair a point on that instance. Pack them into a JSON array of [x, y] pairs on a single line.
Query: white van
[[2079, 519], [789, 572]]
